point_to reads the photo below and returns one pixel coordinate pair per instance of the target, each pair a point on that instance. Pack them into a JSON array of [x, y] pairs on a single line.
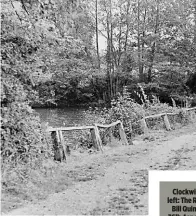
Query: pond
[[58, 117]]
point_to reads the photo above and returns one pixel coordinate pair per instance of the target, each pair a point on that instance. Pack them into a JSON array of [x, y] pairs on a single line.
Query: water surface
[[57, 117]]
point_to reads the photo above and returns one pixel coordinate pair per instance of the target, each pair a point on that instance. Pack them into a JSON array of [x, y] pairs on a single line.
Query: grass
[[40, 185]]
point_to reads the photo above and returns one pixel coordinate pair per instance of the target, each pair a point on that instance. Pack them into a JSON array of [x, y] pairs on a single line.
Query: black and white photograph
[[96, 94]]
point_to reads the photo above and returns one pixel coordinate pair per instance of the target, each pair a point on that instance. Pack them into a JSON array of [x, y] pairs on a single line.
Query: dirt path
[[116, 182]]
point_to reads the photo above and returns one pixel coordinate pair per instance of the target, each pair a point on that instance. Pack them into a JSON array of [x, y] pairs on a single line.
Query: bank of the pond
[[66, 105]]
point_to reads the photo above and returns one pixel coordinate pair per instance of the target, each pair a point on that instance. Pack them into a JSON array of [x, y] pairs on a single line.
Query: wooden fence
[[58, 140], [165, 119]]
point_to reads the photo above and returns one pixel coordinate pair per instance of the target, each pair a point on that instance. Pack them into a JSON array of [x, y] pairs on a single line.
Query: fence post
[[122, 134], [98, 138], [55, 137], [110, 134], [191, 114], [144, 125], [62, 141], [59, 153], [95, 141], [166, 120]]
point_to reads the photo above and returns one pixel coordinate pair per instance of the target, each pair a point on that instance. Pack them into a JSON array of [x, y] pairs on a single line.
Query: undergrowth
[[26, 153], [125, 109]]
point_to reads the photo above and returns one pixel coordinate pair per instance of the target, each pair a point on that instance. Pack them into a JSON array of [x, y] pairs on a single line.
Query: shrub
[[156, 107], [123, 109], [127, 111], [24, 146]]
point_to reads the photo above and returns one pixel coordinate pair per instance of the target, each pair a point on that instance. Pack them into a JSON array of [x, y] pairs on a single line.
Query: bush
[[24, 146], [156, 107], [123, 109], [127, 111]]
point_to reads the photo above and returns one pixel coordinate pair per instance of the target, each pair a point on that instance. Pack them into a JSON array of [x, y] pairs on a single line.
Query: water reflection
[[62, 116], [65, 117]]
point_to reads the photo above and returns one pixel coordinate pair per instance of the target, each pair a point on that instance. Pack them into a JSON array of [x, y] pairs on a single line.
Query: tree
[[97, 34]]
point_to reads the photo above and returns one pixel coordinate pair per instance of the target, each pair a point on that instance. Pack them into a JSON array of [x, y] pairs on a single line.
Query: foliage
[[24, 146], [191, 82], [154, 106], [126, 110], [24, 149], [56, 57], [123, 109], [21, 135]]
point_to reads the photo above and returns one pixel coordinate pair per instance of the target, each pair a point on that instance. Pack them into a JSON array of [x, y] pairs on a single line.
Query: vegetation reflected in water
[[66, 117], [62, 117]]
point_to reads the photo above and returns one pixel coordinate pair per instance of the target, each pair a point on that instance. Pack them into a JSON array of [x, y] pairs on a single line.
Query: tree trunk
[[152, 54], [143, 35], [97, 36], [151, 63], [111, 52], [138, 44], [127, 25], [195, 22], [110, 57], [109, 60]]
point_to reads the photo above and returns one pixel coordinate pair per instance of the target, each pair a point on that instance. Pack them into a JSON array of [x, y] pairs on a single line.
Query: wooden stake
[[59, 155], [58, 137], [54, 137], [122, 134], [98, 138], [62, 141], [166, 120], [130, 126], [144, 125], [110, 134], [95, 141], [191, 115]]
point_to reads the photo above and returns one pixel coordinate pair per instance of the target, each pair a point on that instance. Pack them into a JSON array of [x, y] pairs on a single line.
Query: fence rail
[[50, 129], [58, 140], [165, 118]]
